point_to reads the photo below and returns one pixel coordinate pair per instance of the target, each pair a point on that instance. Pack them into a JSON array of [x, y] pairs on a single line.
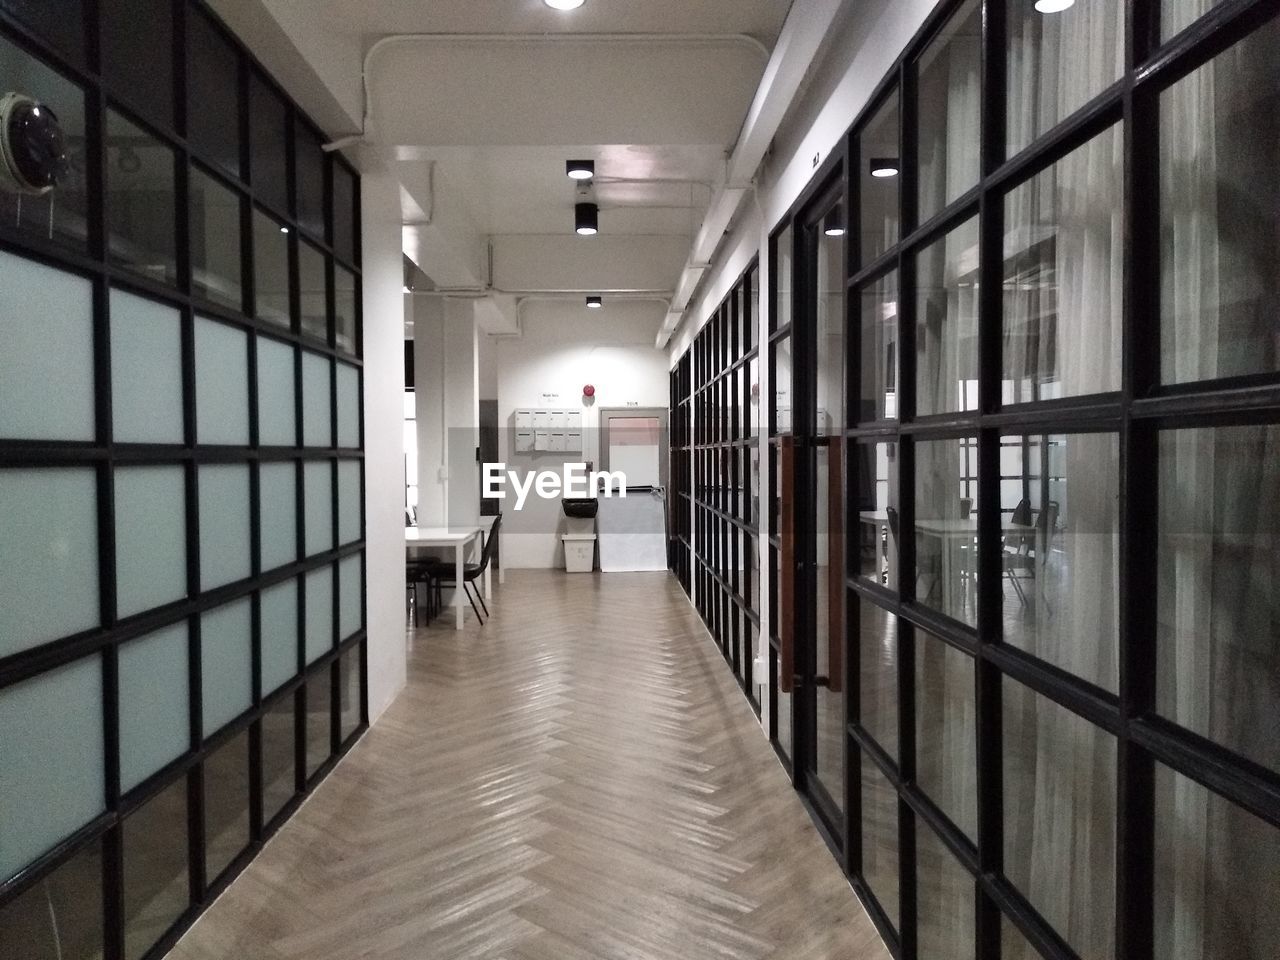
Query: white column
[[428, 375], [461, 413]]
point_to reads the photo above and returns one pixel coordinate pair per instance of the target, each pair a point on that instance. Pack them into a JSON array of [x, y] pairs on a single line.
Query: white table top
[[439, 536]]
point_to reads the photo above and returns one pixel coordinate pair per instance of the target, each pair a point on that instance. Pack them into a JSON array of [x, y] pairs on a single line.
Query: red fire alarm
[[588, 391]]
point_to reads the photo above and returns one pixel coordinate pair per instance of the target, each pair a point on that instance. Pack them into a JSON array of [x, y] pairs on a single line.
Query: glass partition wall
[[182, 650], [1060, 432]]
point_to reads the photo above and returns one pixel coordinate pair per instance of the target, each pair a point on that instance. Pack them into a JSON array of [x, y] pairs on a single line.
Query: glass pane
[[949, 92], [880, 838], [780, 358], [879, 323], [156, 891], [42, 514], [226, 804], [278, 498], [317, 405], [873, 476], [317, 486], [309, 170], [155, 720], [352, 682], [782, 281], [829, 337], [944, 899], [1218, 660], [1220, 215], [61, 214], [225, 533], [1062, 276], [947, 323], [146, 370], [879, 165], [151, 537], [61, 24], [878, 673], [226, 664], [137, 54], [270, 269], [1060, 817], [1176, 15], [946, 730], [277, 412], [1060, 514], [1058, 61], [319, 718], [213, 84], [279, 611], [313, 292], [268, 131], [141, 216], [61, 917], [947, 527], [349, 501], [344, 226], [319, 638], [52, 755], [350, 594], [348, 406], [278, 776], [344, 317], [1217, 875], [782, 719], [222, 384], [215, 241]]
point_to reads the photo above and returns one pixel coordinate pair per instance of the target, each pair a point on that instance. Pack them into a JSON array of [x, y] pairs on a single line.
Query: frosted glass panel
[[46, 352], [51, 756], [48, 555], [151, 538], [316, 406], [317, 480], [222, 384], [319, 613], [155, 724], [224, 524], [277, 419], [279, 609], [348, 500], [348, 406], [277, 502], [146, 370], [350, 579], [226, 664]]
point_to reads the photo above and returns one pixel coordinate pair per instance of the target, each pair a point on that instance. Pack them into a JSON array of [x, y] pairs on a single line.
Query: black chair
[[417, 573], [442, 572]]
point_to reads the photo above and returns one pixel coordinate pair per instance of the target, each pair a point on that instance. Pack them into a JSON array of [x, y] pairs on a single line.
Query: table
[[458, 538]]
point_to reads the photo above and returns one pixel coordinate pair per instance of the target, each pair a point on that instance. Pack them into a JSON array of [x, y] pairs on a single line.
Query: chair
[[1018, 555], [443, 573], [419, 572]]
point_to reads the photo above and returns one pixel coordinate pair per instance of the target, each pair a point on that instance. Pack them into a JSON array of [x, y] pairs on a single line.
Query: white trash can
[[579, 552]]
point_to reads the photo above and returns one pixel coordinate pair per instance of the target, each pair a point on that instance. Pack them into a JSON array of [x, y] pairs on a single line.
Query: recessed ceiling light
[[833, 223], [580, 169], [284, 229], [595, 303], [1054, 6], [564, 4], [884, 167], [586, 219]]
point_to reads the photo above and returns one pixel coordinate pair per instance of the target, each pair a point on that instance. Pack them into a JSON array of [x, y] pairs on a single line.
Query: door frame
[[658, 413]]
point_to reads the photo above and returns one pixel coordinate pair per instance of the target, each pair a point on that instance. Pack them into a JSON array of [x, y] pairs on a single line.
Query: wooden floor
[[580, 779]]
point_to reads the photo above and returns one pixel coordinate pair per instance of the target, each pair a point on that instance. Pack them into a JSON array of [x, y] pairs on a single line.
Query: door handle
[[835, 564], [787, 576]]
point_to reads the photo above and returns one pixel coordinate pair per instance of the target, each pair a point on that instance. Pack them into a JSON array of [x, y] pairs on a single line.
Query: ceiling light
[[1054, 6], [284, 229], [580, 169], [586, 219], [408, 289], [833, 223], [564, 4], [595, 303], [884, 167]]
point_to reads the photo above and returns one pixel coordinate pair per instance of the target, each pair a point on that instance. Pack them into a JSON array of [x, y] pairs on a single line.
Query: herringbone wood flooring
[[577, 780]]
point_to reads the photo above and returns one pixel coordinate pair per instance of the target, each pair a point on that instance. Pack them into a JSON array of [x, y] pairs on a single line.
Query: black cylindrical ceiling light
[[833, 222], [580, 169], [882, 168], [586, 219], [595, 303]]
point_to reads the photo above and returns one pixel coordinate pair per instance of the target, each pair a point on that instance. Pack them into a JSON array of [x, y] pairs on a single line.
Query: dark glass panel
[[946, 730], [878, 178], [270, 269], [947, 526], [944, 900], [226, 805], [141, 212], [268, 145], [60, 24], [344, 309], [215, 241], [313, 290], [352, 681], [947, 323], [344, 216], [319, 719], [878, 675], [880, 866], [213, 93], [949, 90], [137, 55], [873, 482], [156, 890], [59, 918], [278, 770], [309, 164]]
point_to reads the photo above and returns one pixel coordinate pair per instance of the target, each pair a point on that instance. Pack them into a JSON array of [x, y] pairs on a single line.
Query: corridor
[[579, 779]]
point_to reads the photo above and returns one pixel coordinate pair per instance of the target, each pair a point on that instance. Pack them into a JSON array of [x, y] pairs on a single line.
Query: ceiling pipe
[[699, 39]]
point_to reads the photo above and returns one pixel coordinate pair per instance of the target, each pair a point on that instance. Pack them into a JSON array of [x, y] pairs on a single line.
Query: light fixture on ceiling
[[595, 303], [882, 168], [580, 169], [1054, 6], [833, 223], [586, 219], [564, 4], [408, 289], [284, 229]]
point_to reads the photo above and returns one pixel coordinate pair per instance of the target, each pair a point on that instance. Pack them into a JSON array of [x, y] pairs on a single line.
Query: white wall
[[428, 398], [564, 347]]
